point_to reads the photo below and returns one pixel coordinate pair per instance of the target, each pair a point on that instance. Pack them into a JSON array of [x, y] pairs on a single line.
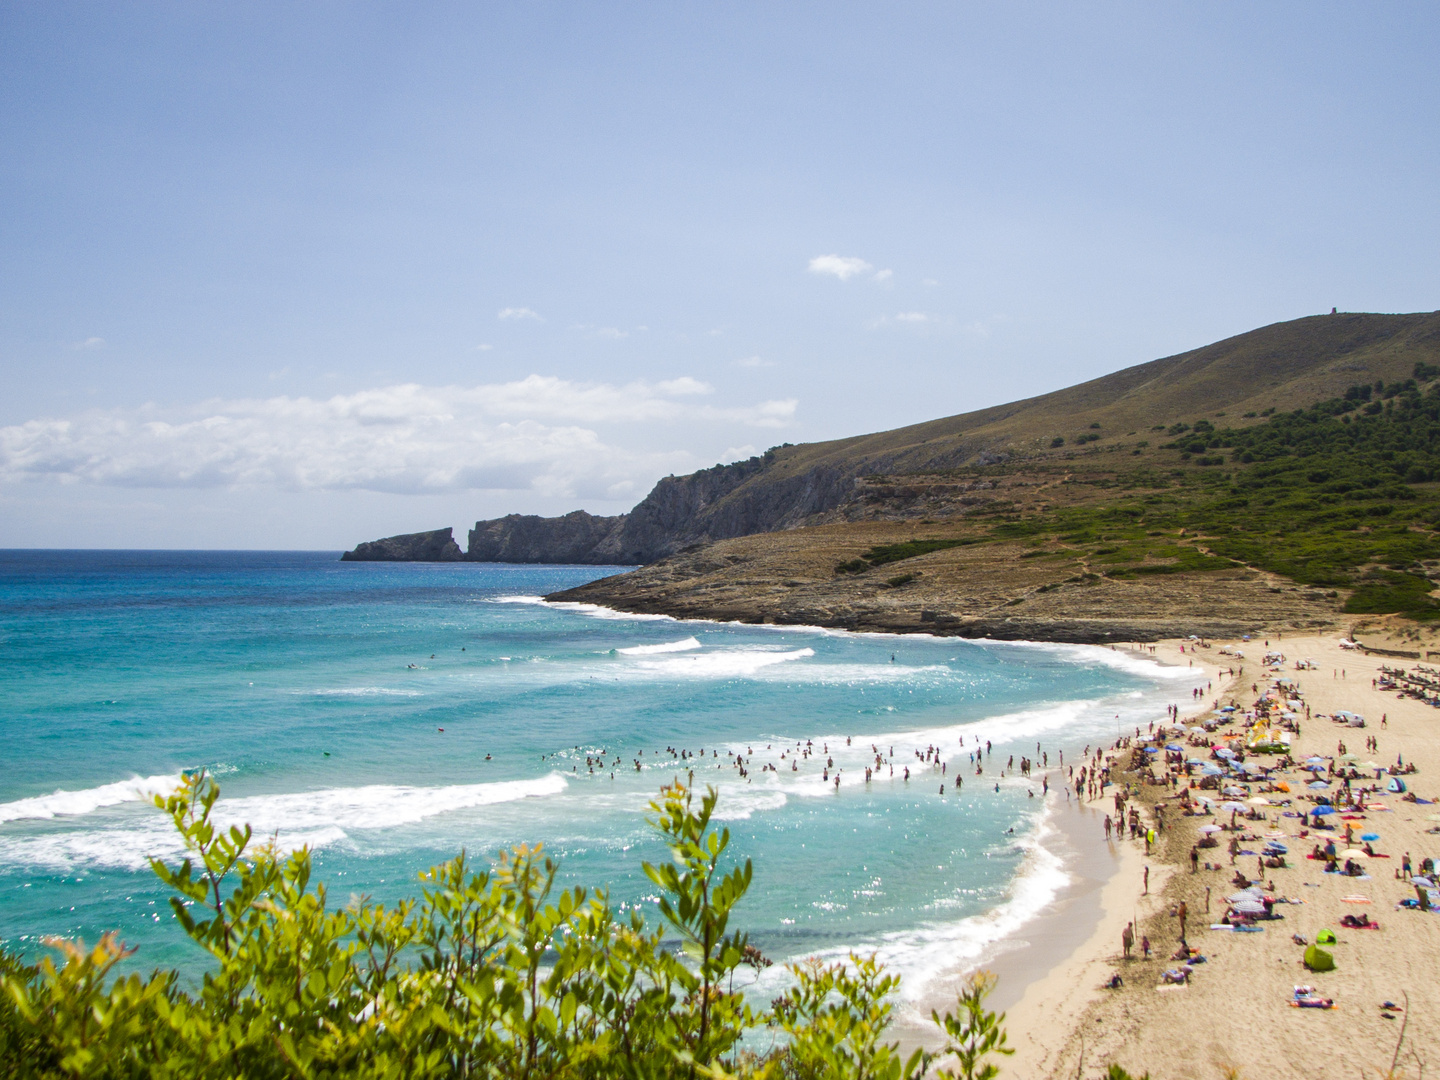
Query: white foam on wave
[[738, 804], [63, 803], [595, 611], [1103, 655], [687, 645], [314, 818], [721, 664]]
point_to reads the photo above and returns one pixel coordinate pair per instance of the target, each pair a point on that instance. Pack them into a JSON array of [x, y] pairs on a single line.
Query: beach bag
[[1317, 959], [1325, 937]]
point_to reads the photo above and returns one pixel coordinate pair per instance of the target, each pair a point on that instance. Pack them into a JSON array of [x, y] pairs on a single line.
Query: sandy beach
[[1235, 1016]]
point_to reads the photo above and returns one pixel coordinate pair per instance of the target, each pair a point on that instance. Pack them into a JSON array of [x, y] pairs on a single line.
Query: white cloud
[[91, 343], [929, 281], [754, 361], [612, 332], [883, 275], [538, 434], [484, 347], [739, 453], [517, 313], [906, 318], [843, 267]]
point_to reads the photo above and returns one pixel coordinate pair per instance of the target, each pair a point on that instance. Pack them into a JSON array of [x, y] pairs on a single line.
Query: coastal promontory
[[438, 545]]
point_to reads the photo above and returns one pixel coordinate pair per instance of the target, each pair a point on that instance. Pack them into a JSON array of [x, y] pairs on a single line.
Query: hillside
[[1286, 521], [1236, 381], [1279, 367]]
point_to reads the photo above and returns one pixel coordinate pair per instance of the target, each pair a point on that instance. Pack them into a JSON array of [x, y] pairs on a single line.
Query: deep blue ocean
[[389, 715]]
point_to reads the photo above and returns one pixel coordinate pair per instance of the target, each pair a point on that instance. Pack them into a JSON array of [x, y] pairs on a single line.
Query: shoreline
[[1060, 996], [1049, 969]]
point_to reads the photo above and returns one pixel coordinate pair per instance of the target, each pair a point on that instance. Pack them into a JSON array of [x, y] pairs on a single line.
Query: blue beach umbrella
[[1320, 811], [1370, 836], [1174, 749], [1210, 770], [1152, 749]]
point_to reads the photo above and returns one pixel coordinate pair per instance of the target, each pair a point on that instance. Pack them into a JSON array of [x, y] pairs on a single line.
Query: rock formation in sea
[[438, 545]]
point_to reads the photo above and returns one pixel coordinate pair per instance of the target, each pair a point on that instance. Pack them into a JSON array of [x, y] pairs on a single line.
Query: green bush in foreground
[[492, 973]]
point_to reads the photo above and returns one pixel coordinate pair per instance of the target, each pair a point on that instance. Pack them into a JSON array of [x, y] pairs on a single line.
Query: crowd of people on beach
[[1231, 771]]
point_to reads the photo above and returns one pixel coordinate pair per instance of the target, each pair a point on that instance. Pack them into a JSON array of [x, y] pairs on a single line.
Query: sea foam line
[[687, 645], [63, 803], [314, 818]]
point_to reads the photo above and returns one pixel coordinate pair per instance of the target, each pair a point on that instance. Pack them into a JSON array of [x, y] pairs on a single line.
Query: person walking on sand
[[1127, 939], [1147, 882], [1182, 911], [1194, 859]]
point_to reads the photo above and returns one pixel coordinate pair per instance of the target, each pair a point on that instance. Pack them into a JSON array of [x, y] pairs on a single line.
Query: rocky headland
[[437, 545], [769, 539]]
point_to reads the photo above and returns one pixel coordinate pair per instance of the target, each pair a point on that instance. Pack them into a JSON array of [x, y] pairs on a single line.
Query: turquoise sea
[[389, 715]]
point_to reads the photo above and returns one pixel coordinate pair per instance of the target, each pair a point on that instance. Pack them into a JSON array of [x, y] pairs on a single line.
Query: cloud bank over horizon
[[551, 436]]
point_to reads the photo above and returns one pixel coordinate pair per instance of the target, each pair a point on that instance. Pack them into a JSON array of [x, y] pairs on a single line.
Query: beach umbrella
[[1320, 811], [1424, 882], [1152, 749], [1233, 808], [1228, 708], [1225, 751], [1371, 765], [1211, 770], [1194, 761], [1258, 800], [1174, 748], [1249, 907], [1234, 792], [1315, 759], [1197, 731], [1317, 785], [1209, 829], [1354, 853], [1370, 836]]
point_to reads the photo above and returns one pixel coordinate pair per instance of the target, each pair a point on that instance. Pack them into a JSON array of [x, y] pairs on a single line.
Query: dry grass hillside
[[1124, 508], [1282, 366]]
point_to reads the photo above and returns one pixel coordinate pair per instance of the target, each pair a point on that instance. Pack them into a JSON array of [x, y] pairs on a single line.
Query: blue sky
[[298, 275]]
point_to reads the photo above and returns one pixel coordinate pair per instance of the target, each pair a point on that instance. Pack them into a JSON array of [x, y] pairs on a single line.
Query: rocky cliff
[[681, 512], [577, 537], [435, 546]]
